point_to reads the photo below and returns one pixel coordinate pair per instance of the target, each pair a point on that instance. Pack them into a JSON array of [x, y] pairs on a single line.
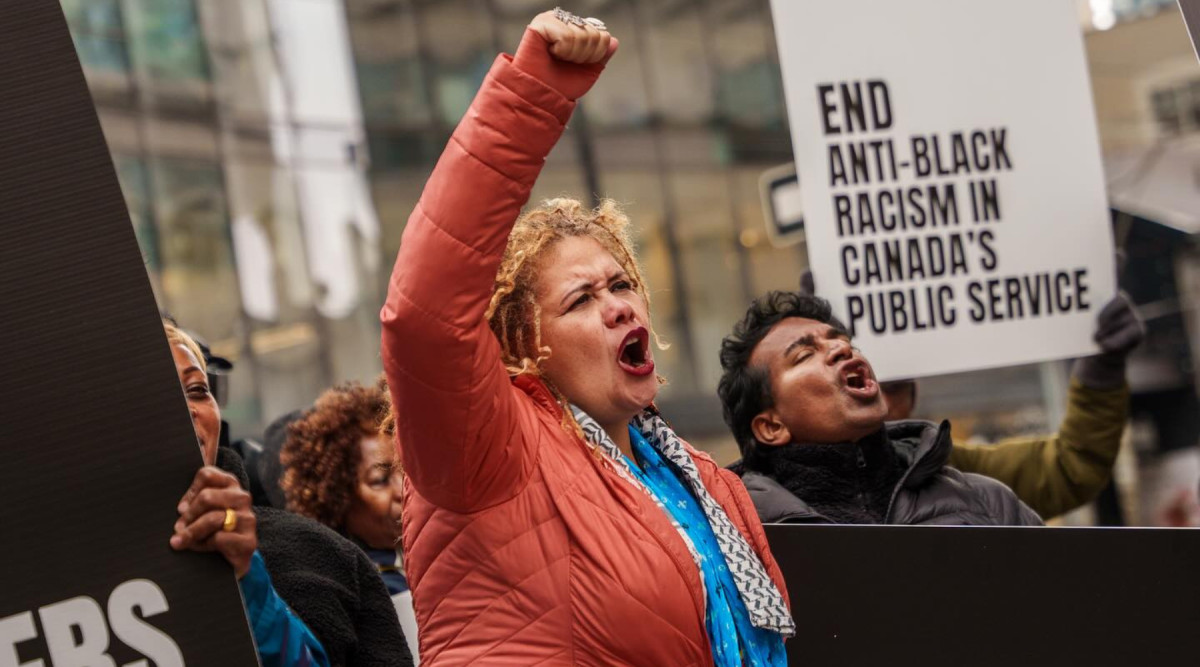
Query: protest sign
[[939, 596], [952, 187], [95, 437]]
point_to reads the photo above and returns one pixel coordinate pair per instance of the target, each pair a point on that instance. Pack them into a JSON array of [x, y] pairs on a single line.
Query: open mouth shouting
[[859, 381], [634, 354]]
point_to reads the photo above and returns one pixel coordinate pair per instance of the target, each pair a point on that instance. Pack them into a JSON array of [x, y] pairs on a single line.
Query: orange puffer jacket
[[521, 546]]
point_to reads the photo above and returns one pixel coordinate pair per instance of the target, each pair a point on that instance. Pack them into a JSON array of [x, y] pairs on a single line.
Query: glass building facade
[[241, 184]]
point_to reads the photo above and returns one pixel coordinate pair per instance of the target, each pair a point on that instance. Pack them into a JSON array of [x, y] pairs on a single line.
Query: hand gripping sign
[[953, 193], [95, 442]]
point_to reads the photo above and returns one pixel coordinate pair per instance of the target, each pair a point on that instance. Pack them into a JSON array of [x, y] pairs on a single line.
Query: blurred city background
[[270, 152]]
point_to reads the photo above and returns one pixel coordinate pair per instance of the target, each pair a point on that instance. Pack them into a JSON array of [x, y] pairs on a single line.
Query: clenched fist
[[572, 43]]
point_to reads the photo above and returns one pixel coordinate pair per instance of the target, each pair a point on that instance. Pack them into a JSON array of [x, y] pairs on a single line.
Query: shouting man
[[808, 416]]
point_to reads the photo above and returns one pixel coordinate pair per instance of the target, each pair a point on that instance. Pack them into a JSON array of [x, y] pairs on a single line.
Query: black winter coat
[[903, 480], [329, 582]]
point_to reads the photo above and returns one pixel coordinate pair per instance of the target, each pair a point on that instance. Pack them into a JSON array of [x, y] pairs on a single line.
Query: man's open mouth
[[858, 380], [634, 354]]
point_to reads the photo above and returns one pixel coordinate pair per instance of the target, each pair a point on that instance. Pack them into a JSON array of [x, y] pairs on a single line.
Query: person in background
[[270, 469], [808, 417], [1057, 473], [339, 470], [901, 399], [215, 515], [551, 516], [252, 453], [312, 596]]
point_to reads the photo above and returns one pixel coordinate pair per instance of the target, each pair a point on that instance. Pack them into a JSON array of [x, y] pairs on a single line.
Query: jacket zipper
[[861, 462], [917, 458]]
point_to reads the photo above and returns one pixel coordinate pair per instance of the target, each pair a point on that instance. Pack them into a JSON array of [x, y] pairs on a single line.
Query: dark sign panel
[[96, 442], [954, 596], [1191, 16]]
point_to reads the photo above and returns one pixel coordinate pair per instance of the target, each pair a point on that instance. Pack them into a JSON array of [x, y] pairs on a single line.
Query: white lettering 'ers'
[[76, 631]]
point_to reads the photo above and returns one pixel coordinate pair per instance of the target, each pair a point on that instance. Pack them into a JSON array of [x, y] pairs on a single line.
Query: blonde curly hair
[[513, 312], [177, 336]]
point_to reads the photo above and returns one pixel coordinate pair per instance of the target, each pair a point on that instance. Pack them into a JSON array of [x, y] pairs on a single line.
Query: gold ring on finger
[[231, 520]]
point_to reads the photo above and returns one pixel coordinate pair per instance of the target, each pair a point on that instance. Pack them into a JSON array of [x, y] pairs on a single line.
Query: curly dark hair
[[745, 391], [322, 452]]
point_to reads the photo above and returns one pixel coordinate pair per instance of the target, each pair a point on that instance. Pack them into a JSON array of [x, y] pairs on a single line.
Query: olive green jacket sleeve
[[1056, 474]]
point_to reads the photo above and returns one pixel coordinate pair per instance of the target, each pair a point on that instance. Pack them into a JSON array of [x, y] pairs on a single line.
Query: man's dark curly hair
[[323, 452], [745, 390]]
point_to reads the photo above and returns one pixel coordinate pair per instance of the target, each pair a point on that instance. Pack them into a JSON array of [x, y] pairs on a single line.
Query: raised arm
[[1056, 474], [459, 435], [1059, 473]]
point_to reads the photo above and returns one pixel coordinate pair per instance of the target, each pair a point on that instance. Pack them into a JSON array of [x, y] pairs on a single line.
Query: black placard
[[955, 596], [97, 445], [1191, 17]]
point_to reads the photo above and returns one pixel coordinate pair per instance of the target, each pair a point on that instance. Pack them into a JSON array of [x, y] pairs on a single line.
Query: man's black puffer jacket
[[896, 476], [329, 582]]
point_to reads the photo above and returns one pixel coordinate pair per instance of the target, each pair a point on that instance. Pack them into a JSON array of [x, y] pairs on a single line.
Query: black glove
[[1119, 330]]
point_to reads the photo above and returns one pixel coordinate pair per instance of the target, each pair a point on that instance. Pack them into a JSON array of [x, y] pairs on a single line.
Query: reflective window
[[1176, 108], [393, 92], [749, 95], [165, 39], [460, 44], [241, 57], [98, 33], [392, 80], [681, 79], [619, 97], [198, 277]]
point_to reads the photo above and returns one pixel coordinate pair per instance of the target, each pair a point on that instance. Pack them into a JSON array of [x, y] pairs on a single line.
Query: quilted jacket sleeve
[[462, 434], [1055, 474]]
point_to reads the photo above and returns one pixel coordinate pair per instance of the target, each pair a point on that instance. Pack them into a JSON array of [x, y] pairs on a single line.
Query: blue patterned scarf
[[734, 639], [757, 592]]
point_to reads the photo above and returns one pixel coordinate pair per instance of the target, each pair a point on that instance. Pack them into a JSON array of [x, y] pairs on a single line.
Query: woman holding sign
[[551, 515], [332, 586], [215, 515]]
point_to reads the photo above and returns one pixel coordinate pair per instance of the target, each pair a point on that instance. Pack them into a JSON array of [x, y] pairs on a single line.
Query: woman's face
[[598, 330], [206, 415], [374, 514]]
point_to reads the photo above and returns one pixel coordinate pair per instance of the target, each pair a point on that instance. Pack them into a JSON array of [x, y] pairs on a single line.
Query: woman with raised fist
[[551, 516]]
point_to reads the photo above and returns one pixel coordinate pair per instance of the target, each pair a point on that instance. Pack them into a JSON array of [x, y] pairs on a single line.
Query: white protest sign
[[952, 187]]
